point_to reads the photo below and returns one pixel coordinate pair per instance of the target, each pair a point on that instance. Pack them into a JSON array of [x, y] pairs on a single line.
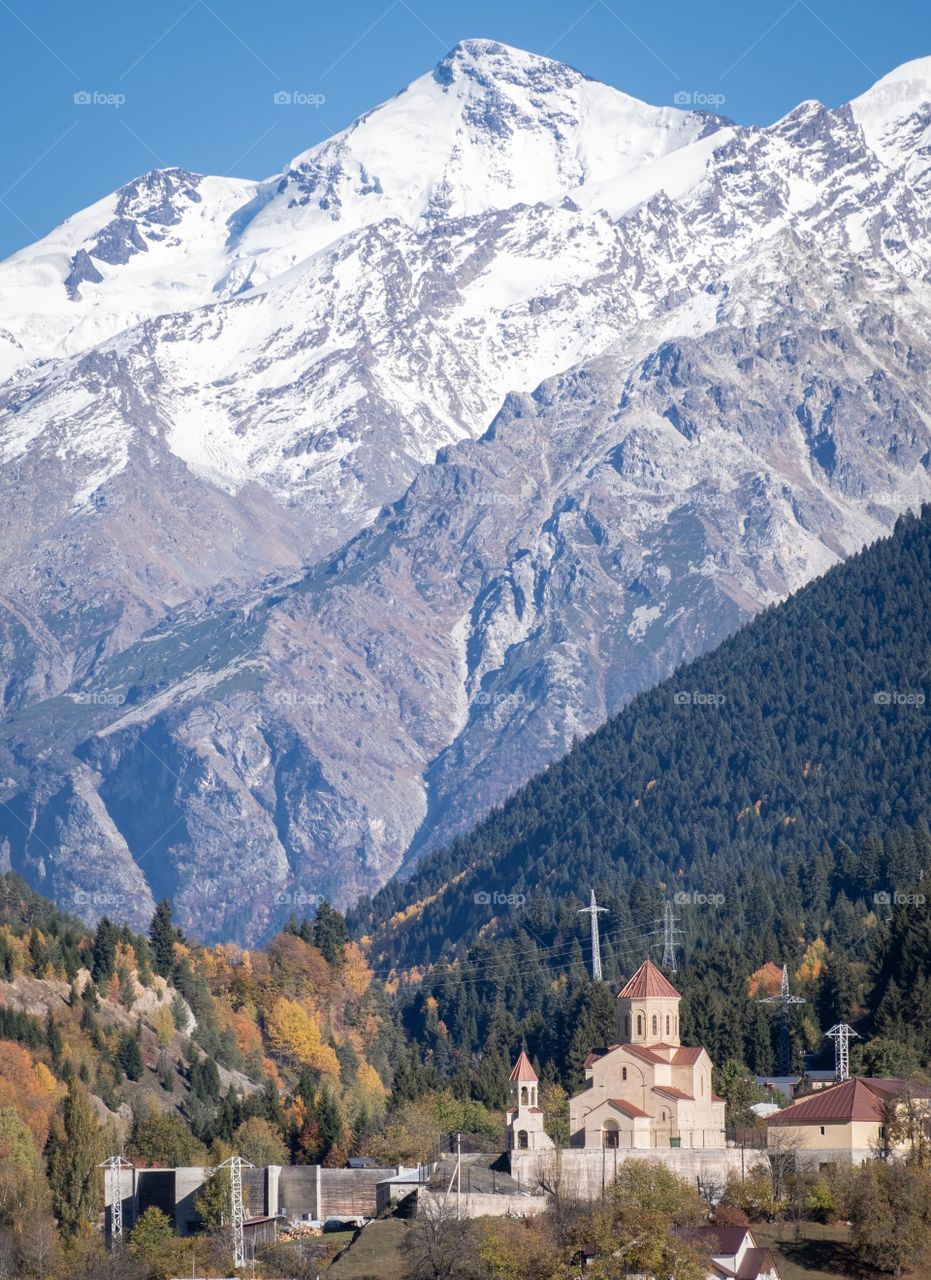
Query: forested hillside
[[777, 790], [173, 1053]]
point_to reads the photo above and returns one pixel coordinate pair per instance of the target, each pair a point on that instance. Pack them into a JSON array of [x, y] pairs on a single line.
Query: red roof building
[[853, 1117]]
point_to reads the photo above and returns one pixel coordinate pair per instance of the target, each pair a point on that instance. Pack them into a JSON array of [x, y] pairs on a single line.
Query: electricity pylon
[[594, 910], [236, 1164], [670, 933], [841, 1034], [114, 1165], [785, 1000]]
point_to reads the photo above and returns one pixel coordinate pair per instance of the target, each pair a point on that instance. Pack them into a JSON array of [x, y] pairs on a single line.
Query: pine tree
[[73, 1153], [330, 933], [162, 936], [594, 1018], [129, 1056], [103, 956]]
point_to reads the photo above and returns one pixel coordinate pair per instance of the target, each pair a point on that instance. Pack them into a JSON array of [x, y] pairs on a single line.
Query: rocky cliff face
[[428, 477]]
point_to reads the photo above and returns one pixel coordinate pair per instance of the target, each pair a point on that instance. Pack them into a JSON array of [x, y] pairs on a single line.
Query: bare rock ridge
[[336, 504]]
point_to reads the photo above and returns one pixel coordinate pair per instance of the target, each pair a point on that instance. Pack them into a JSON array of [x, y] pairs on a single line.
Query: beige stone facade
[[649, 1090], [523, 1125]]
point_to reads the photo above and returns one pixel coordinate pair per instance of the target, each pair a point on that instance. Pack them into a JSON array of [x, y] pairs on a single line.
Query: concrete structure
[[858, 1118], [648, 1091], [479, 1204], [523, 1124], [298, 1191], [391, 1191], [586, 1173]]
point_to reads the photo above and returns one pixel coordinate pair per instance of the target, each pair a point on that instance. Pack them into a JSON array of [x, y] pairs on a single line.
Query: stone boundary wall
[[586, 1173]]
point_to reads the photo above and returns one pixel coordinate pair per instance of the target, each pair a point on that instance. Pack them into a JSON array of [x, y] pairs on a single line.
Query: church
[[649, 1090]]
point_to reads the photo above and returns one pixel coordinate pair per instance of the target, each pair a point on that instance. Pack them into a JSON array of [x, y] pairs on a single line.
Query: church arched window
[[701, 1085], [654, 1024], [667, 1024], [639, 1024], [522, 1139], [626, 1026], [523, 1096], [623, 1073]]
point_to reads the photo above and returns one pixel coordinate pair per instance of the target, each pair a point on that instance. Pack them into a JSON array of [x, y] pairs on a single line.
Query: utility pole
[[785, 1000], [236, 1164], [594, 910], [841, 1034], [114, 1166], [458, 1177], [670, 933]]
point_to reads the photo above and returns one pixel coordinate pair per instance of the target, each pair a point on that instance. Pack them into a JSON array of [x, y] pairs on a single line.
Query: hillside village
[[147, 1079]]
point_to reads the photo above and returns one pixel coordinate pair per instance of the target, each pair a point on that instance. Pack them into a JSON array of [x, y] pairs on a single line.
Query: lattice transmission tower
[[841, 1034], [594, 911], [670, 933], [113, 1167], [236, 1164], [785, 1000]]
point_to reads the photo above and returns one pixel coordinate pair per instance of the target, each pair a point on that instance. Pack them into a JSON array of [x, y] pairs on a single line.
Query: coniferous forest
[[776, 791]]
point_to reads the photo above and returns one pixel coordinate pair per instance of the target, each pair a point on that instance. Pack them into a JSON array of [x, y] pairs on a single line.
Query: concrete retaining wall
[[476, 1205], [586, 1173]]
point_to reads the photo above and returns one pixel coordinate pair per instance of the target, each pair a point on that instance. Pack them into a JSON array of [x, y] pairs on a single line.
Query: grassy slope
[[376, 1252], [822, 1253]]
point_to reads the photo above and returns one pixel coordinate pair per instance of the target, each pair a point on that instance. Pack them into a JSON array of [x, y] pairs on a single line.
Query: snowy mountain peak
[[904, 95], [490, 127], [615, 376], [489, 61]]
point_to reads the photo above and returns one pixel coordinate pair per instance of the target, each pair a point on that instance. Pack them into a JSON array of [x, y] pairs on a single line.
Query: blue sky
[[198, 78]]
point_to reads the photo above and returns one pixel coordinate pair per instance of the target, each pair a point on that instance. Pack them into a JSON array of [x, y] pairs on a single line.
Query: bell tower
[[524, 1129], [648, 1008]]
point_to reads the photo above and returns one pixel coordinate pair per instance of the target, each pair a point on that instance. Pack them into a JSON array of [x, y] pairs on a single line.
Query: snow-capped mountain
[[337, 504]]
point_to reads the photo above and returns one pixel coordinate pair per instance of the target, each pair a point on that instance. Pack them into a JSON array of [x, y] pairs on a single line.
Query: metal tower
[[114, 1193], [841, 1034], [670, 933], [786, 1001], [594, 911], [236, 1164]]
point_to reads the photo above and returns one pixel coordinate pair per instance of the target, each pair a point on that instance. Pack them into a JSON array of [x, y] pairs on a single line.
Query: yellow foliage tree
[[812, 961], [356, 973], [163, 1024], [294, 1033], [370, 1082]]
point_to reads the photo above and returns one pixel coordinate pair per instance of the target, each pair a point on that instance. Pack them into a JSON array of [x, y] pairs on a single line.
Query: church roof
[[522, 1069], [648, 981], [628, 1108], [668, 1091], [687, 1055], [598, 1053], [641, 1051]]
